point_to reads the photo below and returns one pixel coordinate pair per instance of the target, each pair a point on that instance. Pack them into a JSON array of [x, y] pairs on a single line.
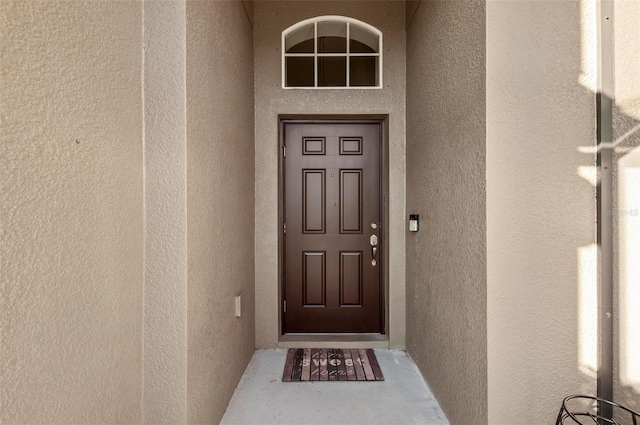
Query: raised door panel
[[351, 146], [351, 278], [314, 278], [350, 201], [313, 146], [313, 201]]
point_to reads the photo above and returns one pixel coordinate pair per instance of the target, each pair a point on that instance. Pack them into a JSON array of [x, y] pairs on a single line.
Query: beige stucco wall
[[541, 225], [109, 152], [271, 18], [220, 203], [165, 157], [626, 219], [72, 212], [446, 259], [411, 6]]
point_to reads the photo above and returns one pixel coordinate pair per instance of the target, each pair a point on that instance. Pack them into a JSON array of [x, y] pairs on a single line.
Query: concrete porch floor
[[261, 397]]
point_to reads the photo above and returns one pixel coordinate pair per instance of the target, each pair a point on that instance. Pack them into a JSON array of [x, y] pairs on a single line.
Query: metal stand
[[575, 411]]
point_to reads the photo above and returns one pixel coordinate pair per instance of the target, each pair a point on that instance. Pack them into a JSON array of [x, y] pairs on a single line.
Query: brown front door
[[332, 215]]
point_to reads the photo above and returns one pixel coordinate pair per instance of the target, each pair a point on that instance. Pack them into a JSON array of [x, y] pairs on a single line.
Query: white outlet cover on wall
[[238, 306]]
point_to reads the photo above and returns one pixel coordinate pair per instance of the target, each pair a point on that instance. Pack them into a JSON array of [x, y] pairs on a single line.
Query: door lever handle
[[373, 241]]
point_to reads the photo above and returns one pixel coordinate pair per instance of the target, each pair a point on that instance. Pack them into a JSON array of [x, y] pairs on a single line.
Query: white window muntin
[[316, 54]]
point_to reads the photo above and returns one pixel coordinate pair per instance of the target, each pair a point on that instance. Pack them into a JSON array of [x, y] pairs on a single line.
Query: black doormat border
[[331, 364]]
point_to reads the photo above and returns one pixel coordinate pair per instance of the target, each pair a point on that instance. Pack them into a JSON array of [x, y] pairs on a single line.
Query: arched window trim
[[333, 18]]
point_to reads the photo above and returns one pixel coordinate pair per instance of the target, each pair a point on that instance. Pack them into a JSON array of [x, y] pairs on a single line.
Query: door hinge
[[284, 306], [284, 151], [284, 228]]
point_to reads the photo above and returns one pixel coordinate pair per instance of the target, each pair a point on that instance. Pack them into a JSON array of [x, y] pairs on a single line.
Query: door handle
[[373, 241]]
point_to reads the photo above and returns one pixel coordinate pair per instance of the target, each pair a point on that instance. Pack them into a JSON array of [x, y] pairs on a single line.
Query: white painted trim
[[348, 51], [282, 60], [335, 88], [315, 54], [310, 55], [337, 18]]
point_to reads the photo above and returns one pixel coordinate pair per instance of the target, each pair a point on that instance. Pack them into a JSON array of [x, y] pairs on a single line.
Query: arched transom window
[[331, 52]]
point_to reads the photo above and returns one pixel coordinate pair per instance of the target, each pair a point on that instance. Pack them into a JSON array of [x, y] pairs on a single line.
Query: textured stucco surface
[[220, 203], [72, 212], [271, 18], [626, 117], [165, 284], [446, 259], [411, 6], [540, 210]]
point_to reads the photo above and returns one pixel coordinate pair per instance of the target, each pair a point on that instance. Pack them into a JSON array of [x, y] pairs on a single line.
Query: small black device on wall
[[414, 221]]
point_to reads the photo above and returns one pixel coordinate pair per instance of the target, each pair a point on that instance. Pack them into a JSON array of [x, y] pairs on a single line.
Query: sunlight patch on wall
[[627, 57], [588, 309], [589, 173], [589, 45], [628, 216]]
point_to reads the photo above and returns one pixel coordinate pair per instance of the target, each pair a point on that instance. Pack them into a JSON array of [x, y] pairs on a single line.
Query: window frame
[[347, 54]]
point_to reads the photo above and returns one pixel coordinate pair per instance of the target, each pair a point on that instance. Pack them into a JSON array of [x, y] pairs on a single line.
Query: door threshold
[[333, 340]]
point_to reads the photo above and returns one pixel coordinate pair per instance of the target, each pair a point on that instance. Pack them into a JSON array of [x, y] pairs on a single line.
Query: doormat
[[331, 364]]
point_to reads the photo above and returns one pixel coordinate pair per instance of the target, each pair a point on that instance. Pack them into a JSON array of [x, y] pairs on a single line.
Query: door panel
[[313, 278], [351, 278], [313, 201], [351, 201], [331, 195]]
